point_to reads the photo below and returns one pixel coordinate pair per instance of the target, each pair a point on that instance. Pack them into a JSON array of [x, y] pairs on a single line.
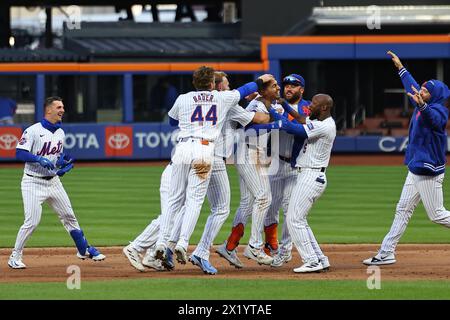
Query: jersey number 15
[[211, 115]]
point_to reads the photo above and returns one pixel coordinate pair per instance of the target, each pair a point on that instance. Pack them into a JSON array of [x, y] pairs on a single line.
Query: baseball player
[[425, 158], [200, 115], [41, 148], [255, 188], [282, 182], [319, 130], [218, 192], [218, 195], [144, 244]]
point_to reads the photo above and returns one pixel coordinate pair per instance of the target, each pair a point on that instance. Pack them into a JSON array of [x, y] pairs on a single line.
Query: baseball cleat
[[325, 264], [15, 261], [168, 261], [180, 252], [150, 261], [160, 252], [380, 259], [203, 264], [280, 259], [258, 255], [230, 256], [270, 250], [92, 253], [309, 267], [133, 257]]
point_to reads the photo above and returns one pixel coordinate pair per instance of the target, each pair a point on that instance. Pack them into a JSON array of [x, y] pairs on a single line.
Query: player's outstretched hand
[[266, 77], [416, 96], [64, 170], [395, 59], [44, 162]]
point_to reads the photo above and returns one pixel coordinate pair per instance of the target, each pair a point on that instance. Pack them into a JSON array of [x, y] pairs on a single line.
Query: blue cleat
[[92, 253], [167, 262], [203, 264]]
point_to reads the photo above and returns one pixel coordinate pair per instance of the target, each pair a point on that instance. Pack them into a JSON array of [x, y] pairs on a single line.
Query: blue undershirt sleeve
[[25, 156], [247, 89], [295, 129], [173, 122]]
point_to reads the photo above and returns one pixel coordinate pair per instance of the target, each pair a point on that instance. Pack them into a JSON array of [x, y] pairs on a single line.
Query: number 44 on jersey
[[211, 115]]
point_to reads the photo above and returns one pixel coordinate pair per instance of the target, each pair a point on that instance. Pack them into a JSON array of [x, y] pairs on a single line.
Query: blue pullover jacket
[[426, 151]]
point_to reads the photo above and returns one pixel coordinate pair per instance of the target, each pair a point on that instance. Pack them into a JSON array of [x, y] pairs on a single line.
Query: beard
[[294, 98], [313, 116]]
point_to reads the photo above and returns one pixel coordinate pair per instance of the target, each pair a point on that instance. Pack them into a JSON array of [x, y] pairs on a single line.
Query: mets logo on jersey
[[310, 126], [9, 137], [22, 141], [47, 150], [118, 141]]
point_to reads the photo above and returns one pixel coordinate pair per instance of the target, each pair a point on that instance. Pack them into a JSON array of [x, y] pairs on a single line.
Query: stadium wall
[[155, 141]]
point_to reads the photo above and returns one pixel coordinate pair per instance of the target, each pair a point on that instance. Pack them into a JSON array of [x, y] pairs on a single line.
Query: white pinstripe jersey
[[202, 113], [316, 150], [42, 142], [286, 140], [258, 106], [225, 141]]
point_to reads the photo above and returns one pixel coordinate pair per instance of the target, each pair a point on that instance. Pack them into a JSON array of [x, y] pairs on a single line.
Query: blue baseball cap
[[294, 79]]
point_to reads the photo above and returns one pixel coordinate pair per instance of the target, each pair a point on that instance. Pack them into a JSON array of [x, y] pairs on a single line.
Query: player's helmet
[[294, 79]]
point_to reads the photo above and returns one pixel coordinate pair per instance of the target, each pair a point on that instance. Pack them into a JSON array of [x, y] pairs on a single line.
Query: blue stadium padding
[[344, 144], [311, 51], [358, 51], [85, 141], [128, 99], [39, 97], [403, 50], [275, 69], [156, 141]]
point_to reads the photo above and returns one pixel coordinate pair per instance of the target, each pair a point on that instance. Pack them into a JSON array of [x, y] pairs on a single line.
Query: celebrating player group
[[284, 144], [301, 135]]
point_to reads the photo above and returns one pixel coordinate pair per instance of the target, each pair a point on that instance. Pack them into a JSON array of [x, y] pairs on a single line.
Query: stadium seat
[[372, 123], [392, 113], [399, 132], [352, 132]]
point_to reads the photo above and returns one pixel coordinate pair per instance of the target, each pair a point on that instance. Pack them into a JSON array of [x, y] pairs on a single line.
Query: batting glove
[[64, 170], [63, 160], [44, 162]]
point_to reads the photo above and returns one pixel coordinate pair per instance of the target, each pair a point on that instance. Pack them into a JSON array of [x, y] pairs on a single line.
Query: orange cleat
[[271, 245], [237, 232]]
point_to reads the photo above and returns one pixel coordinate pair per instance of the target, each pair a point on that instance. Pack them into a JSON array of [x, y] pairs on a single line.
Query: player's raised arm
[[407, 79], [253, 86]]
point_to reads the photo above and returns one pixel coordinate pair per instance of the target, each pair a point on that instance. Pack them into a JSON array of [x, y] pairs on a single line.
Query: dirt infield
[[414, 262]]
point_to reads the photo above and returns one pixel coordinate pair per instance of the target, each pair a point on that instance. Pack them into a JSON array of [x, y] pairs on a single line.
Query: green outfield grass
[[229, 289], [114, 204]]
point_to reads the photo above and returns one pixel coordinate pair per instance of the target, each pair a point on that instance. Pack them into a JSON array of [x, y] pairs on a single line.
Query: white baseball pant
[[191, 172], [281, 185], [310, 185], [255, 196], [219, 196], [36, 191], [416, 188], [149, 236]]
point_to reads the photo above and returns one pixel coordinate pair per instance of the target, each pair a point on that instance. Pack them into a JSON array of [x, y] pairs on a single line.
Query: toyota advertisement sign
[[148, 141], [9, 137]]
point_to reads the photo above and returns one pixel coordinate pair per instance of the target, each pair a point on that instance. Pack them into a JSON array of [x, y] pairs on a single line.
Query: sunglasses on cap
[[292, 80]]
